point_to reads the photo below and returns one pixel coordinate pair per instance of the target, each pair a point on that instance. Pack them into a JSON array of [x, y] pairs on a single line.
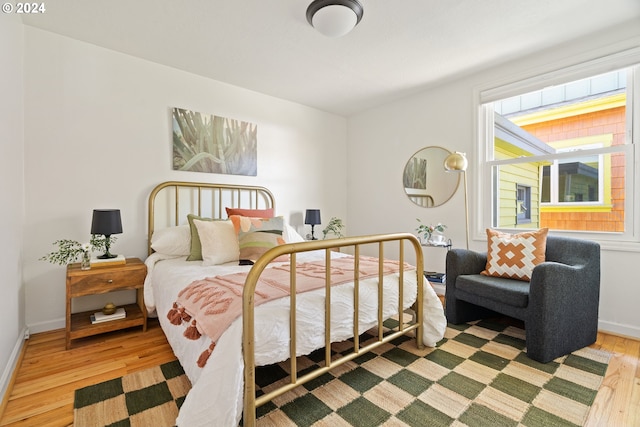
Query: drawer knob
[[110, 281]]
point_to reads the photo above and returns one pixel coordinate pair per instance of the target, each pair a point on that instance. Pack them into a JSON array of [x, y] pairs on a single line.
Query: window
[[574, 180], [523, 204], [562, 155]]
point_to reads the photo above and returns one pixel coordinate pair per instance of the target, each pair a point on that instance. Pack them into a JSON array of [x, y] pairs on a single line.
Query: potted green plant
[[334, 226], [70, 251], [426, 231]]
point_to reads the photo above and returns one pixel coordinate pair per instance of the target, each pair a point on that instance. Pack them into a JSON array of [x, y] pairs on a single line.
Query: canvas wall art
[[208, 143]]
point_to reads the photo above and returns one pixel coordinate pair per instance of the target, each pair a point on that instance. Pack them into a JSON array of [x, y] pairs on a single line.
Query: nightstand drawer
[[106, 281]]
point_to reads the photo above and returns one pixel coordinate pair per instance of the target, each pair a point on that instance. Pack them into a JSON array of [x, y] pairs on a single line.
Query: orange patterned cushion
[[514, 255], [257, 235]]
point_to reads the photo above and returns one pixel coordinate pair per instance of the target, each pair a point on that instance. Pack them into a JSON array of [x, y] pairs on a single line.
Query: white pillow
[[290, 235], [172, 240], [219, 242]]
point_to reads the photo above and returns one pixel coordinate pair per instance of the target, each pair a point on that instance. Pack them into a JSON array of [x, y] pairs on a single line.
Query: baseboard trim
[[612, 328], [9, 374], [50, 325]]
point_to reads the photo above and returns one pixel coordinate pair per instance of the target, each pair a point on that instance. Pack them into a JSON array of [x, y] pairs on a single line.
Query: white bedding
[[216, 394]]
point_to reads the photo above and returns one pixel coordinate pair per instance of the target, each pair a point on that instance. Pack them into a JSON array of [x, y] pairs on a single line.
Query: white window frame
[[554, 178], [485, 134]]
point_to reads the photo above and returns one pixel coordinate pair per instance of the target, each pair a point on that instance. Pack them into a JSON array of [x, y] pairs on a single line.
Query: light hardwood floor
[[42, 394]]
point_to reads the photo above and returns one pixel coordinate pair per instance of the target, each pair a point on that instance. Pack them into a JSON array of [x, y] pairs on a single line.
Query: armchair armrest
[[569, 280], [563, 308], [464, 261], [556, 288]]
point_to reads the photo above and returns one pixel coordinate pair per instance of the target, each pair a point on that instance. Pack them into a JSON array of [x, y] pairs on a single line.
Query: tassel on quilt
[[192, 332], [202, 360], [175, 315]]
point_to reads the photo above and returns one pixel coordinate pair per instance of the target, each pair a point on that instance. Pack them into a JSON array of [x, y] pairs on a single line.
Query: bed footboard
[[355, 243]]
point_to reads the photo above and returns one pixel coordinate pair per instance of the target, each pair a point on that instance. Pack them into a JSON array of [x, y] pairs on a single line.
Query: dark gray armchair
[[559, 306]]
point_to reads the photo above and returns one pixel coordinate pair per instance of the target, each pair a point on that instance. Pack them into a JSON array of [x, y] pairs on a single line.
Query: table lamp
[[106, 222], [312, 217]]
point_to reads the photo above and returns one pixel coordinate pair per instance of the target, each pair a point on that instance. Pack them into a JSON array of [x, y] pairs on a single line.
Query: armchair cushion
[[506, 291], [514, 256]]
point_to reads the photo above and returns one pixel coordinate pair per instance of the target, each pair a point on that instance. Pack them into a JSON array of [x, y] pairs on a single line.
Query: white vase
[[437, 239]]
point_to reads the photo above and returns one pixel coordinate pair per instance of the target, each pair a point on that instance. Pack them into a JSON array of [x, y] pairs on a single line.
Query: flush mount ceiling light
[[334, 18]]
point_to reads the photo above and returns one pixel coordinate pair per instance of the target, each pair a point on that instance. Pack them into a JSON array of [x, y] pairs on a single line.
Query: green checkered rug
[[147, 398], [478, 375]]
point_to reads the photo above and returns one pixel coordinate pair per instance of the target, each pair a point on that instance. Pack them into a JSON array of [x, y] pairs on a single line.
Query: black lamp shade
[[106, 222], [312, 217]]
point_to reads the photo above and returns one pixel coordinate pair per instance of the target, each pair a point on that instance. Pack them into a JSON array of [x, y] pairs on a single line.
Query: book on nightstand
[[99, 317], [109, 262], [432, 276]]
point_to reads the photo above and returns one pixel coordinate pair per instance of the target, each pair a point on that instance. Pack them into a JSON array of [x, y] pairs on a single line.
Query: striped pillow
[[515, 255]]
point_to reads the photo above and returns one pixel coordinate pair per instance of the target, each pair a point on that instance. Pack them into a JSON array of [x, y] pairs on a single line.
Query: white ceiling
[[400, 46]]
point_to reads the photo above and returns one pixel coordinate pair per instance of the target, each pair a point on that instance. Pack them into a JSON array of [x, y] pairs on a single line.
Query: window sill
[[575, 207]]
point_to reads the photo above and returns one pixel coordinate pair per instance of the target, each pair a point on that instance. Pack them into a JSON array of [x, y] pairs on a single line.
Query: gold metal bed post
[[248, 338]]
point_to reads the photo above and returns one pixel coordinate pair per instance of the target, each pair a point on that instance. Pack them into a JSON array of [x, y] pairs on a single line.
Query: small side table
[[447, 244], [100, 281], [438, 285]]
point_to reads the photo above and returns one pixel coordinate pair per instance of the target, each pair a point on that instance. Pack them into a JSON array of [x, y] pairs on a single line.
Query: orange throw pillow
[[253, 213], [515, 255]]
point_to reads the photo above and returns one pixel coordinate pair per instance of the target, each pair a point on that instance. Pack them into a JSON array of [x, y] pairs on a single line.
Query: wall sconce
[[106, 222], [457, 162], [312, 218]]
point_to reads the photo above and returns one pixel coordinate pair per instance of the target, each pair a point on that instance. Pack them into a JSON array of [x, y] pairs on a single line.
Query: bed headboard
[[170, 202]]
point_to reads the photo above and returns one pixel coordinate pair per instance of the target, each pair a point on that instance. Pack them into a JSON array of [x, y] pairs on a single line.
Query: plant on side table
[[426, 231], [70, 250], [335, 227]]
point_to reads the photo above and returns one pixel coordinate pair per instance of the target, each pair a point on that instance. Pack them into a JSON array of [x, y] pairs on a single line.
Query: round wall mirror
[[426, 182]]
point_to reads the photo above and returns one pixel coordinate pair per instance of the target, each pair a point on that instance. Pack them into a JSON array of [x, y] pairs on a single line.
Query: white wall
[[383, 139], [99, 136], [12, 191]]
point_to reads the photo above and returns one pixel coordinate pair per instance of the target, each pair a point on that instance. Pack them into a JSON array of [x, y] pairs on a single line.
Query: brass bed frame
[[171, 197]]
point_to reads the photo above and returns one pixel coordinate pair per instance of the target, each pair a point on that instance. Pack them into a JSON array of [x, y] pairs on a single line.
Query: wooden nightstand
[[100, 281]]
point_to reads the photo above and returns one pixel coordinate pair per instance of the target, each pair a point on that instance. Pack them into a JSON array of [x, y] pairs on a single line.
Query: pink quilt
[[208, 306]]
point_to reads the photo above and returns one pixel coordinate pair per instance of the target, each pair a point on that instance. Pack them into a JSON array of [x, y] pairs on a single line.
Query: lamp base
[[107, 255]]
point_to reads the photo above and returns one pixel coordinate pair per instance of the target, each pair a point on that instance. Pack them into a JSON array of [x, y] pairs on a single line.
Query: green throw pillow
[[196, 246]]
